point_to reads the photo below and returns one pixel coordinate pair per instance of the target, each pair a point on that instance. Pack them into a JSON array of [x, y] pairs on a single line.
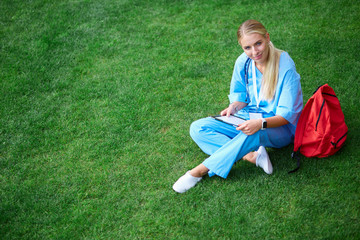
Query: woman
[[269, 98]]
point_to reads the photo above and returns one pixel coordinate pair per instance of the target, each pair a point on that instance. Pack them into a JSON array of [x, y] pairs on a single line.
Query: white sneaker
[[185, 182], [263, 160]]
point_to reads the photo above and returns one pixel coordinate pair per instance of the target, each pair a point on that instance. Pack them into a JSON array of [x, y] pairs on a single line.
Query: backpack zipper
[[322, 106], [317, 122], [334, 144], [329, 94]]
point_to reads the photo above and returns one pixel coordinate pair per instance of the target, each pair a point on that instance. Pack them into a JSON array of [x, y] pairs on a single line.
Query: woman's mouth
[[257, 57]]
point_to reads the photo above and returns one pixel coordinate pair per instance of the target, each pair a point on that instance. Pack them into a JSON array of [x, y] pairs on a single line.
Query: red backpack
[[321, 130]]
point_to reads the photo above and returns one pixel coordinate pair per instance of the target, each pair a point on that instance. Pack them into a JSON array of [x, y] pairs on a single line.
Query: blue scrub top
[[288, 99]]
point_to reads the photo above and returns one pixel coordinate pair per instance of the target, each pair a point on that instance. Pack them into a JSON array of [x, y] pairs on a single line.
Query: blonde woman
[[265, 90]]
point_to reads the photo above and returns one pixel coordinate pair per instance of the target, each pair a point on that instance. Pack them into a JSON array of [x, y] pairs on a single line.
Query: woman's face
[[256, 47]]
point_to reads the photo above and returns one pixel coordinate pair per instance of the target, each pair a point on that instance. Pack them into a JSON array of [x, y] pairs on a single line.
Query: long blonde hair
[[271, 72]]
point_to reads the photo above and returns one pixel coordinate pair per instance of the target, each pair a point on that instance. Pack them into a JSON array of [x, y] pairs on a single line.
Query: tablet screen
[[232, 120]]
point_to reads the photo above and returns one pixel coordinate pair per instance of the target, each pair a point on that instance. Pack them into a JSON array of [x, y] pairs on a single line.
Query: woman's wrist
[[235, 106], [260, 123]]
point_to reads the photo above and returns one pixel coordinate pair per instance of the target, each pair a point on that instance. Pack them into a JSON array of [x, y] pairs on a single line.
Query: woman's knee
[[277, 137], [196, 127]]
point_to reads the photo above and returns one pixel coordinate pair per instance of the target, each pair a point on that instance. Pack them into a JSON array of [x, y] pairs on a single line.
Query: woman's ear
[[268, 37]]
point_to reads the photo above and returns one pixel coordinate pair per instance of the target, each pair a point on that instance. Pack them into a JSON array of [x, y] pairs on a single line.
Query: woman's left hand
[[250, 127]]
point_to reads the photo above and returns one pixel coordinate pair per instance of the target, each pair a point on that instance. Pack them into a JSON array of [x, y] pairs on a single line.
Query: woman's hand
[[233, 108], [253, 125], [250, 127]]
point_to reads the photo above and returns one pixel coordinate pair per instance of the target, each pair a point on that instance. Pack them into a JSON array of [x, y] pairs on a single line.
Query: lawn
[[96, 102]]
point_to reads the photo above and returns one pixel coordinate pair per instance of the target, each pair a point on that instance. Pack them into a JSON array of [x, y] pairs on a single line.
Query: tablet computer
[[231, 120]]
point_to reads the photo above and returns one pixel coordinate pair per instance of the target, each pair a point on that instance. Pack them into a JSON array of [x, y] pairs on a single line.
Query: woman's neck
[[261, 67]]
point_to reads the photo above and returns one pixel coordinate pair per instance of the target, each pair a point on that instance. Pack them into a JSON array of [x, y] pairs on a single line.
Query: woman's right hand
[[228, 111], [233, 108]]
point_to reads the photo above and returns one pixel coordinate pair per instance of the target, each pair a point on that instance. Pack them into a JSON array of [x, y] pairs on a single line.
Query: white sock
[[185, 182], [263, 160]]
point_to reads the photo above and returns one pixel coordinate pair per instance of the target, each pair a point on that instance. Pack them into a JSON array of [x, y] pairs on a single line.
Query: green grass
[[96, 102]]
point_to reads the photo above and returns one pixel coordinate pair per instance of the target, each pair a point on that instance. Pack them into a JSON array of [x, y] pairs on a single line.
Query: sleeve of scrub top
[[238, 85], [290, 101]]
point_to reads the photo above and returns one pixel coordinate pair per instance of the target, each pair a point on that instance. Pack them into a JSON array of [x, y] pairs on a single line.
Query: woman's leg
[[271, 137], [221, 162], [223, 157], [242, 145], [210, 134], [199, 171], [251, 157]]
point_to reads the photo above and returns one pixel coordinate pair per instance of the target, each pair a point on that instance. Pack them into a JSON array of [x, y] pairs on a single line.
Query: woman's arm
[[252, 126], [276, 121]]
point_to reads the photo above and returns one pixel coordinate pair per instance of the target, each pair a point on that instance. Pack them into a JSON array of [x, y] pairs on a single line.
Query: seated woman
[[265, 90]]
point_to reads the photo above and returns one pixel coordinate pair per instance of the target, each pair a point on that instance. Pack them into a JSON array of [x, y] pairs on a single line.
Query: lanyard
[[246, 67], [255, 85]]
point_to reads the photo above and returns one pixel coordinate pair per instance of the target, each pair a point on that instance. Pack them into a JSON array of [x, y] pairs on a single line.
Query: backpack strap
[[296, 155]]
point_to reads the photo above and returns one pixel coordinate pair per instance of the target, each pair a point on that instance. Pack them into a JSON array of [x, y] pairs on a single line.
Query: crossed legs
[[226, 145], [201, 170]]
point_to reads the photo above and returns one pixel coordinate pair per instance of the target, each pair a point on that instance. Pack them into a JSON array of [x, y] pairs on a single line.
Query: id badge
[[255, 115]]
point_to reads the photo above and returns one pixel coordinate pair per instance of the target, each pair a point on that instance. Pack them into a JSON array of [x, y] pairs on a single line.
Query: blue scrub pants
[[226, 145]]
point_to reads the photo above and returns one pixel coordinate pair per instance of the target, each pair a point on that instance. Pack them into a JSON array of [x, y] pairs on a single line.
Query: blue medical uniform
[[224, 143]]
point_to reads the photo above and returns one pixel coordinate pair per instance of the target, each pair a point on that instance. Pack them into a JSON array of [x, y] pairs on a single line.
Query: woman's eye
[[258, 43]]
